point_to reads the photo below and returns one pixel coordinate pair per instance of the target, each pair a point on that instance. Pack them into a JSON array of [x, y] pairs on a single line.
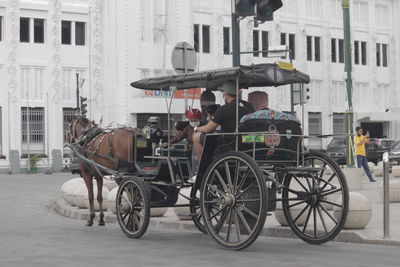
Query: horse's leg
[[89, 185], [100, 199]]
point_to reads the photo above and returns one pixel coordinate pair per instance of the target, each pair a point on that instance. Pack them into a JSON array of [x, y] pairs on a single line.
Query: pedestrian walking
[[359, 141]]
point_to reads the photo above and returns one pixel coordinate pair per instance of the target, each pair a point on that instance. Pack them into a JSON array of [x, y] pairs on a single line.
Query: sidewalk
[[371, 235], [374, 229]]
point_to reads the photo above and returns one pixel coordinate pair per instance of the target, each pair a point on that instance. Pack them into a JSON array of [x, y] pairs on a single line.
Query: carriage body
[[242, 175]]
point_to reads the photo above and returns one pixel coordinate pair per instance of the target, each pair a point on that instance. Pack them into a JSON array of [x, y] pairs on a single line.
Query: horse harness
[[89, 136]]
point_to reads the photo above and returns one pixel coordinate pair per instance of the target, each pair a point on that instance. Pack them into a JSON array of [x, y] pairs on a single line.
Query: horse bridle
[[73, 134]]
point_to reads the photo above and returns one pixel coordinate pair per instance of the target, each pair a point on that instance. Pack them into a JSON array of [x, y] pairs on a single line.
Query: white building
[[110, 43]]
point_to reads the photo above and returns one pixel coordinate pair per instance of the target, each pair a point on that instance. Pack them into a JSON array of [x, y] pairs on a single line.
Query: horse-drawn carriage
[[241, 176]]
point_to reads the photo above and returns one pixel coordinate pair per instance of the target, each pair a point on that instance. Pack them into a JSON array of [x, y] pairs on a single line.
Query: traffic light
[[244, 8], [266, 9], [83, 105], [305, 96]]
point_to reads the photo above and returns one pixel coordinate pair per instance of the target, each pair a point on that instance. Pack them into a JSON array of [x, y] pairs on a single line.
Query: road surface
[[32, 235]]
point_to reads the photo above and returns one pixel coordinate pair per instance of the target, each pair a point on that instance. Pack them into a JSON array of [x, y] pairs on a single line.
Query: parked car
[[377, 147], [395, 149], [74, 167], [337, 150]]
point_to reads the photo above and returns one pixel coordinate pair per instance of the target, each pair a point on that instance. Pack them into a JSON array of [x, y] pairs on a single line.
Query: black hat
[[207, 95]]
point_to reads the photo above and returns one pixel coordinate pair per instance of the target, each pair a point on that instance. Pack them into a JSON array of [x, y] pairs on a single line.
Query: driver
[[225, 117], [193, 116]]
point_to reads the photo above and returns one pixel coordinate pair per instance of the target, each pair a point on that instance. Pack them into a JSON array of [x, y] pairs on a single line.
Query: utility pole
[[349, 82]]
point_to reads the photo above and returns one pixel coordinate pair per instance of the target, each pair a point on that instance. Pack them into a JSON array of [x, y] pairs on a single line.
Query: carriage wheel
[[316, 206], [197, 217], [133, 207], [233, 200]]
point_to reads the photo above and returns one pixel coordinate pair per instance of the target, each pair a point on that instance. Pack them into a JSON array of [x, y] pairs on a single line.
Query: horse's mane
[[85, 120]]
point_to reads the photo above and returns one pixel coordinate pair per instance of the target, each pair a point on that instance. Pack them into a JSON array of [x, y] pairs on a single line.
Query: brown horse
[[107, 148]]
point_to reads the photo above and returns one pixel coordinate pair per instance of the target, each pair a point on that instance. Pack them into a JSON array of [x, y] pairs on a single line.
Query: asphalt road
[[32, 235]]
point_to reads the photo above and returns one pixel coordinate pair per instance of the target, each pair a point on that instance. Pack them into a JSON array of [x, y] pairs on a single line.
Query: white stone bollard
[[68, 187], [111, 198], [67, 183], [280, 216], [109, 184], [328, 171], [331, 198], [70, 197], [371, 165], [396, 171], [183, 213], [394, 191], [79, 196], [105, 192], [378, 171], [354, 178], [360, 211], [158, 212]]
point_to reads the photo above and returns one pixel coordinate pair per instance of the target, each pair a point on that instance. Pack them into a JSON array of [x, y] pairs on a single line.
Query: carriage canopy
[[259, 75]]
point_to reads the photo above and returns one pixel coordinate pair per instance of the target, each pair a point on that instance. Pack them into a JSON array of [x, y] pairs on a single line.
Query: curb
[[347, 236]]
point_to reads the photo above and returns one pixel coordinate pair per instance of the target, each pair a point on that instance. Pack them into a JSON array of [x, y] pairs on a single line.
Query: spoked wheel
[[233, 200], [133, 207], [197, 217], [316, 206]]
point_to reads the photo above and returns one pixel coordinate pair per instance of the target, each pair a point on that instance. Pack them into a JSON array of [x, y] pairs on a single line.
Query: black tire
[[310, 196], [195, 210], [223, 200], [133, 207]]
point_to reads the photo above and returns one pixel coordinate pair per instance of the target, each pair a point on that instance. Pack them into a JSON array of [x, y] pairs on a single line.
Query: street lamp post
[[349, 82]]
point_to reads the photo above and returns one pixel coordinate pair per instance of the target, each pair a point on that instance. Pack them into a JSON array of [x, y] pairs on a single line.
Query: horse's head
[[76, 128]]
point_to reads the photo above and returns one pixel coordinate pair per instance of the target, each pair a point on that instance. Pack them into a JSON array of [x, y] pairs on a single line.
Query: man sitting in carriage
[[224, 117], [259, 101]]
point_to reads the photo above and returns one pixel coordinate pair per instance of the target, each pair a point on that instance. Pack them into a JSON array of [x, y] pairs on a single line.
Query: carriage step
[[300, 170]]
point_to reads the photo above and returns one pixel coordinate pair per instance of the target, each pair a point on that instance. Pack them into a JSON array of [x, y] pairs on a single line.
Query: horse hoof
[[102, 223], [89, 222]]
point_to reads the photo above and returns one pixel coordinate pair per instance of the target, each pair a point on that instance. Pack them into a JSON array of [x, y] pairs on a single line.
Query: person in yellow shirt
[[359, 141]]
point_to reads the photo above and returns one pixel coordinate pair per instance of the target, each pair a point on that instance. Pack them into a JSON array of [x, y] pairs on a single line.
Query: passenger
[[193, 116], [207, 99], [259, 101], [225, 116]]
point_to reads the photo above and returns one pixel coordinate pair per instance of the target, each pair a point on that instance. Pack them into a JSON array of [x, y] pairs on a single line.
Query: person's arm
[[216, 121], [362, 141], [180, 135], [366, 138], [208, 128]]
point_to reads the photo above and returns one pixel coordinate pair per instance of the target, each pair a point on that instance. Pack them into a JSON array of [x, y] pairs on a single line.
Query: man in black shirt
[[224, 117]]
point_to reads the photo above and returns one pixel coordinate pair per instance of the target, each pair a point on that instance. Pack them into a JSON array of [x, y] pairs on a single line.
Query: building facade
[[110, 43]]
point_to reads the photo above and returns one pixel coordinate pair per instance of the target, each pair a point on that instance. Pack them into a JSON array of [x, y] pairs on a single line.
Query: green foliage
[[34, 159]]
